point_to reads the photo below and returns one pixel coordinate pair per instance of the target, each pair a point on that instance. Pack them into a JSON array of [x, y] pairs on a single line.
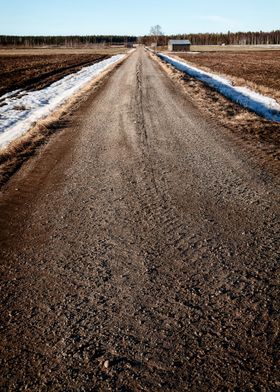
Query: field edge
[[28, 145]]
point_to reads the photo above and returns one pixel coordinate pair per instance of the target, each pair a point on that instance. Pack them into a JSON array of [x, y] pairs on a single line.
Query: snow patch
[[20, 109], [264, 106], [8, 95]]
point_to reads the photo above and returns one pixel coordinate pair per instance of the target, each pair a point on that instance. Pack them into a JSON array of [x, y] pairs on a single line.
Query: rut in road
[[143, 235]]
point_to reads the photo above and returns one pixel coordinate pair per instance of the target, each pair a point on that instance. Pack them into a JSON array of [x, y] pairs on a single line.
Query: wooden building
[[179, 45], [129, 45]]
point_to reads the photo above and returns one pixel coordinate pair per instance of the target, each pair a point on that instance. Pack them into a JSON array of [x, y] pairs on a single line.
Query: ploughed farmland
[[259, 69], [36, 69], [39, 71]]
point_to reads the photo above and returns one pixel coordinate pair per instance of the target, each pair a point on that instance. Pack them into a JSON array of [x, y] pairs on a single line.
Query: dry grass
[[15, 154], [253, 131]]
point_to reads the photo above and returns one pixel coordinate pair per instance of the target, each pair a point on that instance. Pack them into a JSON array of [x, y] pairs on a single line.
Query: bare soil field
[[228, 48], [233, 48], [38, 71], [259, 70], [108, 50]]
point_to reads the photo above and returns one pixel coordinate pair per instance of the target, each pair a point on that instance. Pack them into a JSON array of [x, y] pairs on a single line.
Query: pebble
[[106, 364]]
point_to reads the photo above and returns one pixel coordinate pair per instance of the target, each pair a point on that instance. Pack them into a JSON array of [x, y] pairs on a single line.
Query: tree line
[[68, 41], [239, 38]]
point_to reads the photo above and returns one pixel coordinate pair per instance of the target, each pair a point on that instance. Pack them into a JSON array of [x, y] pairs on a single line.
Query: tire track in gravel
[[150, 243]]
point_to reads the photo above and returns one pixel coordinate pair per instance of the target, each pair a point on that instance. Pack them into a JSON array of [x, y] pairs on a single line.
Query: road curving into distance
[[139, 251]]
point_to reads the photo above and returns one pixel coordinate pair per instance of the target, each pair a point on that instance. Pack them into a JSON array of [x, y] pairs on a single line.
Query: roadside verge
[[251, 130], [21, 149], [264, 106]]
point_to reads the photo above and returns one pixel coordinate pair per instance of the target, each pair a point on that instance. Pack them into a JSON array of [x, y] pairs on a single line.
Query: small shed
[[179, 45], [129, 45]]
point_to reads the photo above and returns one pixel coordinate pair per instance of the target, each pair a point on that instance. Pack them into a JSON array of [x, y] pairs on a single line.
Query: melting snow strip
[[20, 111], [264, 106]]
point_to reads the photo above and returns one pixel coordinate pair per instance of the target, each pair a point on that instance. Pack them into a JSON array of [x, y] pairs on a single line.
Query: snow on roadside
[[264, 106], [20, 109]]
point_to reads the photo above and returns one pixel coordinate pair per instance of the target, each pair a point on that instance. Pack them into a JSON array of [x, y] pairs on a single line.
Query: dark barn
[[175, 45]]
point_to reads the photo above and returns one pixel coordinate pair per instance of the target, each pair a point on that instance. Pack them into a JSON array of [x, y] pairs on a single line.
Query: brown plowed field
[[260, 68], [38, 71]]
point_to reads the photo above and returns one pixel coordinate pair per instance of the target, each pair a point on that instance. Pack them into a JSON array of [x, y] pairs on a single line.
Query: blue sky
[[127, 17]]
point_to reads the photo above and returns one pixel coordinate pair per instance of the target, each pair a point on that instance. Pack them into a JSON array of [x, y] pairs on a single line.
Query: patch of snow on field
[[8, 95], [264, 106], [20, 111]]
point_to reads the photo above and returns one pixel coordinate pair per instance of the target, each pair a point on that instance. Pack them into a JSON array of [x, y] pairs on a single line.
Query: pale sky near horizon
[[125, 17]]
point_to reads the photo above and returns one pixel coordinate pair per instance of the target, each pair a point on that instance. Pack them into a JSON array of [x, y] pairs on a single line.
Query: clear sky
[[127, 17]]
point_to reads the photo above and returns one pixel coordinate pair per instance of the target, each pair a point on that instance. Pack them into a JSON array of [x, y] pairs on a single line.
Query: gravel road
[[139, 251]]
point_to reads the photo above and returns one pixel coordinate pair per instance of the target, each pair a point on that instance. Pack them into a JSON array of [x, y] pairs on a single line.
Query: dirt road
[[145, 236]]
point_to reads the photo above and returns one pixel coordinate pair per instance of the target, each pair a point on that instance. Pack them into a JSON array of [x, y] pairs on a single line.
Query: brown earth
[[34, 72], [139, 250], [234, 48], [261, 69]]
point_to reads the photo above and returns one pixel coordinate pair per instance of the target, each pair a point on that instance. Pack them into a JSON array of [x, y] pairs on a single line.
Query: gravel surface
[[139, 251]]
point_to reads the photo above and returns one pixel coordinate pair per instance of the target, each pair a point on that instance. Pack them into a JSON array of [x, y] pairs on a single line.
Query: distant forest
[[240, 38], [69, 41]]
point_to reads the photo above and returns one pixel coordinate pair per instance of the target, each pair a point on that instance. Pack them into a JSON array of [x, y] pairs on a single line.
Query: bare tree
[[156, 32]]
